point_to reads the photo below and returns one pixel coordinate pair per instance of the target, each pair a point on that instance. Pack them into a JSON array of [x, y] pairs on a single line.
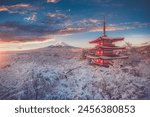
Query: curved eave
[[107, 58], [113, 38], [113, 47], [117, 39], [107, 38], [96, 41]]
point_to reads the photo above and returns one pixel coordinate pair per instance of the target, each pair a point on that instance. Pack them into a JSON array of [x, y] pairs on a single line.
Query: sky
[[30, 24]]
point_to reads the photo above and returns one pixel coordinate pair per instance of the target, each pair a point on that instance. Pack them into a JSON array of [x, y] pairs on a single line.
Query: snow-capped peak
[[60, 43]]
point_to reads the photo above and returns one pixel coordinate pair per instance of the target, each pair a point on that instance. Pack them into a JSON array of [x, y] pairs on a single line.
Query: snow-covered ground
[[60, 73]]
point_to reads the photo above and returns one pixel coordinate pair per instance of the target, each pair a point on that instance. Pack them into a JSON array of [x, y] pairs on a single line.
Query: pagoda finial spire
[[104, 27]]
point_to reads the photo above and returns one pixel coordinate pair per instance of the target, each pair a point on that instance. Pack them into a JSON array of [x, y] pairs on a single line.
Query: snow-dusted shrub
[[121, 85], [42, 81], [143, 69]]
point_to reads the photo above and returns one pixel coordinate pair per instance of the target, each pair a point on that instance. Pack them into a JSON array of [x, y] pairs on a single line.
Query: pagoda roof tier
[[107, 57], [111, 47], [105, 38], [112, 38]]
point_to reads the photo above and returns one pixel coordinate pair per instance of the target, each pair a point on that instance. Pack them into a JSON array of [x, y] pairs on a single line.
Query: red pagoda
[[105, 50]]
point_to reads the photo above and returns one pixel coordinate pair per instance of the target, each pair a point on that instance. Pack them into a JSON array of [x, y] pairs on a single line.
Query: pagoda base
[[103, 60], [107, 57]]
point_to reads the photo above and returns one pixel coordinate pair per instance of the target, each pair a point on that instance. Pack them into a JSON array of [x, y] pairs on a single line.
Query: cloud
[[54, 15], [33, 17], [90, 20], [67, 23], [135, 25], [86, 22], [15, 31], [88, 29], [19, 39], [108, 3], [53, 1], [18, 8], [24, 29], [56, 20], [139, 24], [108, 28], [3, 8], [18, 32], [71, 30], [21, 5]]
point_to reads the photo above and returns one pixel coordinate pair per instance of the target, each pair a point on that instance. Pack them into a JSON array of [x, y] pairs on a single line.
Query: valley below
[[60, 73]]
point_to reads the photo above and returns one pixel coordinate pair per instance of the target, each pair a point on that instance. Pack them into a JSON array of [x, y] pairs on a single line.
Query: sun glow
[[3, 59], [20, 46]]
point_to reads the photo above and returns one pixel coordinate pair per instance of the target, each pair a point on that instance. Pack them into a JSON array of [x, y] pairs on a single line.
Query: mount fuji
[[61, 44]]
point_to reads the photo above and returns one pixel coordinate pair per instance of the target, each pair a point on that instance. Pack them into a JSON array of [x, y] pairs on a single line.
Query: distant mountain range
[[145, 44]]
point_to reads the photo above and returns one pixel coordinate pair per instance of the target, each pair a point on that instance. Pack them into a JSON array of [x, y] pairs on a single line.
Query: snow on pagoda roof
[[111, 47], [106, 57], [112, 58], [112, 39]]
